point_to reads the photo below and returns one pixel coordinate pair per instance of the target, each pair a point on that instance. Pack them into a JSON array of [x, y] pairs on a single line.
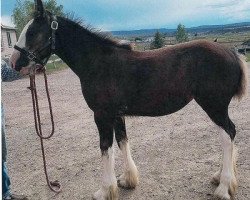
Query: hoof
[[129, 179], [226, 192], [222, 192], [233, 187], [110, 193]]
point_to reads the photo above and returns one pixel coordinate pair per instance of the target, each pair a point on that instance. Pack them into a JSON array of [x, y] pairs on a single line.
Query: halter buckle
[[54, 25]]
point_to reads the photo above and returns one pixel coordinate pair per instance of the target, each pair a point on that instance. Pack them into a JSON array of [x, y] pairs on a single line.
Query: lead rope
[[38, 127]]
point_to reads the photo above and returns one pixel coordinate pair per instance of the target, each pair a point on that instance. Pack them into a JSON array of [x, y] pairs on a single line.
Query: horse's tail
[[243, 83]]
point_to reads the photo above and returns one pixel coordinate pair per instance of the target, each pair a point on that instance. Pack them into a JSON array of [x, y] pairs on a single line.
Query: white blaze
[[20, 43], [22, 39]]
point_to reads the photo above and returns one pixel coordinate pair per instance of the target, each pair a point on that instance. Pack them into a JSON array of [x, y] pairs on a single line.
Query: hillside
[[207, 29]]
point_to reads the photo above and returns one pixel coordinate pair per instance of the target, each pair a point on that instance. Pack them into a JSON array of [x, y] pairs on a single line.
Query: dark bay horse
[[118, 81]]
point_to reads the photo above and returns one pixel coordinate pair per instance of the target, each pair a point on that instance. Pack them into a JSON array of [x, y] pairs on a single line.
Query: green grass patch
[[248, 57], [50, 67]]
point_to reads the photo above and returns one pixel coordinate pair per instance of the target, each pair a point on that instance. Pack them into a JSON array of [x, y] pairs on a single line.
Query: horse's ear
[[39, 8]]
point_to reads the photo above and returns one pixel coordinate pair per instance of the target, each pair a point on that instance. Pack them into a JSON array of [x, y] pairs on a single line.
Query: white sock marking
[[128, 161], [227, 168], [129, 178], [109, 171], [228, 182], [108, 189]]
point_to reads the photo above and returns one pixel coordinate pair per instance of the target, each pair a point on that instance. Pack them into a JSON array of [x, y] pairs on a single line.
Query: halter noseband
[[34, 55]]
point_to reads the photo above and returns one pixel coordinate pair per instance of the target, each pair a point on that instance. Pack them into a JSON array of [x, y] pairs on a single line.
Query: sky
[[110, 15]]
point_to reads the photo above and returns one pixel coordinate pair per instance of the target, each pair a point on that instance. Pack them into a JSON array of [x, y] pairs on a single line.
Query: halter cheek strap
[[54, 27], [34, 55]]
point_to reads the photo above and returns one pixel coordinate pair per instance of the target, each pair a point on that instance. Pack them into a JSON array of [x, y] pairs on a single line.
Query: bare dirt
[[175, 154]]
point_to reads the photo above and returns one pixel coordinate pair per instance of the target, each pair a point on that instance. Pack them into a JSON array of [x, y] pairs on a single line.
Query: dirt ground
[[176, 154]]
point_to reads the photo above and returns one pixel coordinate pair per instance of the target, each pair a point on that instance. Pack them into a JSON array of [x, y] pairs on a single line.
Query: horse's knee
[[120, 130], [105, 125]]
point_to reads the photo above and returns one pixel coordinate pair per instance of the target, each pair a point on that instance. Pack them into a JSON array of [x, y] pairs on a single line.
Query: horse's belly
[[157, 106]]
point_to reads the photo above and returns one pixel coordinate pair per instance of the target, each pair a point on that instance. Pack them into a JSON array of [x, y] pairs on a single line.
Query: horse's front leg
[[130, 178], [108, 190]]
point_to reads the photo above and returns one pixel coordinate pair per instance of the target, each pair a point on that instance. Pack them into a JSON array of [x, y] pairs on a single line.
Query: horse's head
[[35, 43]]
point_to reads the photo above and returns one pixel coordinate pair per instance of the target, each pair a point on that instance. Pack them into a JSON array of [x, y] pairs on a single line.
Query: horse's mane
[[104, 37]]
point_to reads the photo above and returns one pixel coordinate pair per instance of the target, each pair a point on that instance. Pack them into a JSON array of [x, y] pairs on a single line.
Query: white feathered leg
[[227, 182], [109, 189], [130, 177]]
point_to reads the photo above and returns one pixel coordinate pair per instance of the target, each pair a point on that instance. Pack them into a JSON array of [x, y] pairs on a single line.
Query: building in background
[[8, 40]]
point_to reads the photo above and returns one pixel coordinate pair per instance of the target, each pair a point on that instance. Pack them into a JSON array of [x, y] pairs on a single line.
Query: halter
[[34, 55]]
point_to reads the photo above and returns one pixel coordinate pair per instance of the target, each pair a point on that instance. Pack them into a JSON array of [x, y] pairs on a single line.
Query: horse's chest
[[100, 94]]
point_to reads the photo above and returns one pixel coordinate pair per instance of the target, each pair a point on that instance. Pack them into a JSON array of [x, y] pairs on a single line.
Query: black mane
[[105, 38]]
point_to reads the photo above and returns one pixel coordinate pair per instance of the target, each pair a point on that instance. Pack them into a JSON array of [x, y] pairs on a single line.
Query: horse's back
[[165, 80]]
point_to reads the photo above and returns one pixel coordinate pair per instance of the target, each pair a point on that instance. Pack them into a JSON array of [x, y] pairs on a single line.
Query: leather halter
[[34, 55]]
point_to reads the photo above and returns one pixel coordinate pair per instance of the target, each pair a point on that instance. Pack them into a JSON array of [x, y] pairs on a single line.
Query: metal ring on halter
[[54, 25]]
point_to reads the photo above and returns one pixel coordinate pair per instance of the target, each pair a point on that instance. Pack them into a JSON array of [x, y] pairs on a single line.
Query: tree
[[181, 34], [138, 39], [23, 12], [158, 41]]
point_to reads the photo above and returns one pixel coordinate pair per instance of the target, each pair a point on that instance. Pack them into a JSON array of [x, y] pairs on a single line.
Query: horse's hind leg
[[227, 182], [217, 109], [216, 177], [129, 178]]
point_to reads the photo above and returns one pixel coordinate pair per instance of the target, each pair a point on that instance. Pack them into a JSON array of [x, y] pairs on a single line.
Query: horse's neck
[[75, 46]]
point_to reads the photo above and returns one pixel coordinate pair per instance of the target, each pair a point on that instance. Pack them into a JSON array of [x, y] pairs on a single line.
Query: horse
[[118, 81]]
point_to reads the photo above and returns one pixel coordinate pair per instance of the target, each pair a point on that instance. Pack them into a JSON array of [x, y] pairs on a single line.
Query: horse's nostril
[[12, 65]]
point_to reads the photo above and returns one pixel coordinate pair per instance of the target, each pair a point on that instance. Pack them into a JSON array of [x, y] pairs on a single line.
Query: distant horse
[[118, 81]]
